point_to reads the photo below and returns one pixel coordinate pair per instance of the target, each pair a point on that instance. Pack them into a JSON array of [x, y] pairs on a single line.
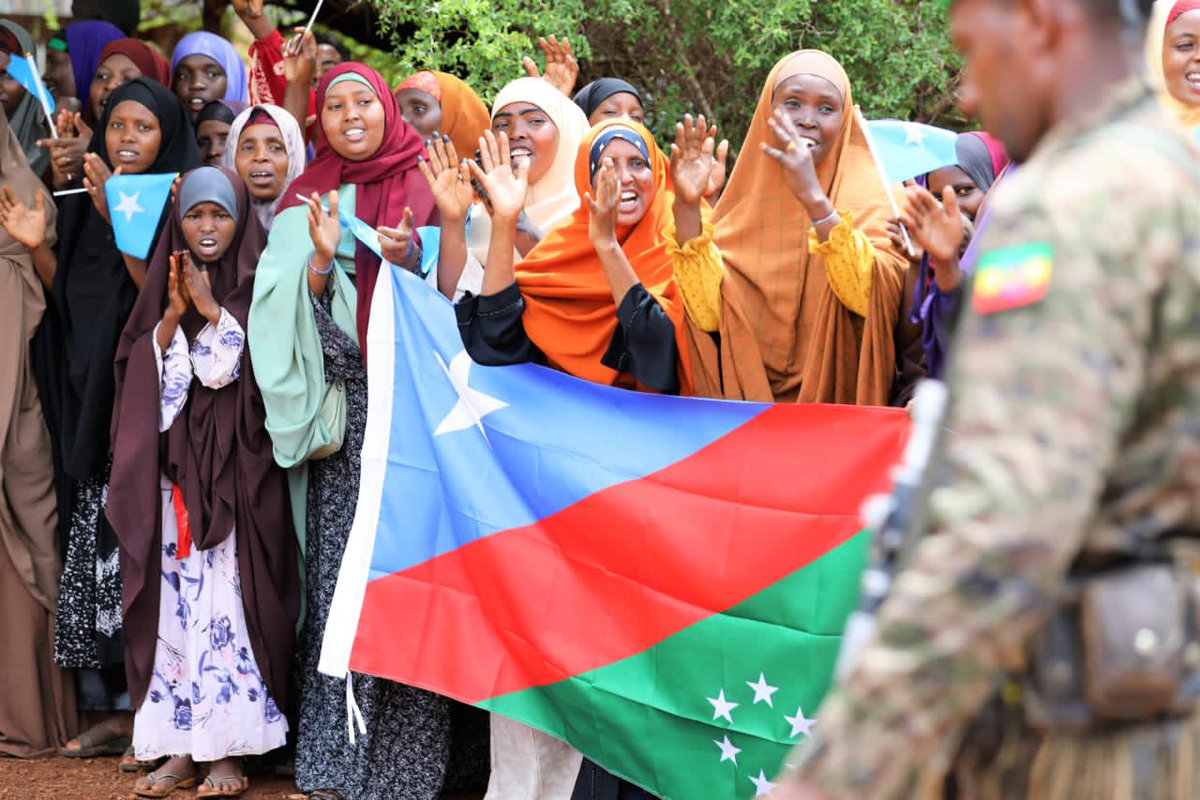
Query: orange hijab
[[464, 116], [779, 314], [569, 310]]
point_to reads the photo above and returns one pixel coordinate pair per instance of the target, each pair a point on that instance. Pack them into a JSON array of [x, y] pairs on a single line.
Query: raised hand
[[97, 174], [562, 69], [251, 13], [896, 237], [799, 170], [300, 58], [505, 184], [66, 152], [449, 178], [178, 299], [937, 227], [716, 178], [324, 228], [199, 289], [692, 160], [397, 243], [602, 216], [26, 225]]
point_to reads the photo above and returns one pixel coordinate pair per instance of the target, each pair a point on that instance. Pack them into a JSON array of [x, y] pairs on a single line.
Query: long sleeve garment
[[214, 359], [642, 345], [1076, 435]]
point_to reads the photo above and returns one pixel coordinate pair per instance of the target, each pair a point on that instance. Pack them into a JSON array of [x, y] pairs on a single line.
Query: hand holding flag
[[96, 175]]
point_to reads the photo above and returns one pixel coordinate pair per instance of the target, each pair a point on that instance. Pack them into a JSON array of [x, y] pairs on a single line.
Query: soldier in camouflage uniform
[[1075, 424]]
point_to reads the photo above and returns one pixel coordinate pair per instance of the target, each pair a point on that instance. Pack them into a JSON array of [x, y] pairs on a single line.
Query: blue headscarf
[[85, 40], [202, 43]]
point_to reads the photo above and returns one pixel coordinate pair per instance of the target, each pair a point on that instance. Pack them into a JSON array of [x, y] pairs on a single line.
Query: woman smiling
[[312, 300]]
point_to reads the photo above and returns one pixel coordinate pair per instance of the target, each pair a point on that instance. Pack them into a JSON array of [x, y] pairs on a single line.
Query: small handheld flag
[[909, 149], [135, 204], [24, 71], [887, 185]]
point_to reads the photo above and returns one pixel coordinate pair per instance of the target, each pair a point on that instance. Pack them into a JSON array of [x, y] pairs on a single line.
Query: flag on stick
[[135, 205]]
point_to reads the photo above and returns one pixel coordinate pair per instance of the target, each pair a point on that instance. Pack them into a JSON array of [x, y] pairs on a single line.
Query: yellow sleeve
[[849, 261], [699, 271]]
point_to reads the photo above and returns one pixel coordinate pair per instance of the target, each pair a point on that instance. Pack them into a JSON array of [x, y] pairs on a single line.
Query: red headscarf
[[1181, 8], [569, 310], [386, 182], [146, 58]]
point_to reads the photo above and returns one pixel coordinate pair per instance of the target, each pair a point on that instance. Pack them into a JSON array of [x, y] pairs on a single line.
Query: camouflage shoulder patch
[[1012, 277]]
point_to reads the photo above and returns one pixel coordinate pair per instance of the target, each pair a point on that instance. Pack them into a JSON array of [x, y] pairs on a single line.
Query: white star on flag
[[472, 405], [763, 691], [913, 134], [728, 751], [722, 707], [129, 205], [800, 723], [762, 786]]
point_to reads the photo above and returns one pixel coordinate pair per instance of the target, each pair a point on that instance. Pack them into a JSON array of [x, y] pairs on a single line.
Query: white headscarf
[[293, 142], [553, 198]]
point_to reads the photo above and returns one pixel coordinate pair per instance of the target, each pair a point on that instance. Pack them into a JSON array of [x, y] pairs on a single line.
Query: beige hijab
[[553, 198], [784, 334], [1156, 35], [28, 516]]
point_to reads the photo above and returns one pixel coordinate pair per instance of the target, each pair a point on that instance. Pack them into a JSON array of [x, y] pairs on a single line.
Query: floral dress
[[207, 698]]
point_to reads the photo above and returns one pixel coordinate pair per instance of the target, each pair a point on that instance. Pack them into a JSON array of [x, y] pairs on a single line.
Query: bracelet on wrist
[[316, 271], [830, 217]]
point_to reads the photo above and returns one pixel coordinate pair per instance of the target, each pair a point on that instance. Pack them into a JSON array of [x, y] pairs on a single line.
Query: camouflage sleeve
[[1043, 388]]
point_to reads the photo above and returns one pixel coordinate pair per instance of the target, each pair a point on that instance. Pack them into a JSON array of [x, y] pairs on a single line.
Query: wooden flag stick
[[887, 187], [41, 93]]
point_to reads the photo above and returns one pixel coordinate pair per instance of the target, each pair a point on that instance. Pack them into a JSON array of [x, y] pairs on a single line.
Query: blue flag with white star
[[135, 205], [909, 149], [20, 71]]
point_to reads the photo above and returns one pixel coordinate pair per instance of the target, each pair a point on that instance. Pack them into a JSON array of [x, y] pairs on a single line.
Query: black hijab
[[591, 96], [93, 291]]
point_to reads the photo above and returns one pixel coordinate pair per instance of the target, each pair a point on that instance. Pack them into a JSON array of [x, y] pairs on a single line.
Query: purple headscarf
[[85, 40], [202, 43]]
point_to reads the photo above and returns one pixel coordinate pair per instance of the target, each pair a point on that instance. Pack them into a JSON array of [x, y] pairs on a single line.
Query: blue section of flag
[[22, 73], [474, 450], [909, 149], [361, 230], [135, 204]]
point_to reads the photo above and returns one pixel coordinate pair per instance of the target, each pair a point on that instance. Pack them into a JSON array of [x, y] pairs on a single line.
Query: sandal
[[130, 763], [169, 783], [326, 794], [98, 740], [223, 786]]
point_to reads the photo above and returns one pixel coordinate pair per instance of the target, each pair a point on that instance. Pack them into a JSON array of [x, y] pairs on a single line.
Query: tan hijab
[[28, 516], [784, 335]]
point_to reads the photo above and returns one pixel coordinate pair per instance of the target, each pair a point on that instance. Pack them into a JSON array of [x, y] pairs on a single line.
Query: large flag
[[135, 204], [909, 149], [660, 581]]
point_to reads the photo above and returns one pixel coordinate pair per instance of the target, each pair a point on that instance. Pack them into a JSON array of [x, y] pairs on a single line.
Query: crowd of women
[[182, 433]]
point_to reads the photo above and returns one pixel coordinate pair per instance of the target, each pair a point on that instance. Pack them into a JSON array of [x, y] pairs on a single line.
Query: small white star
[[728, 751], [129, 205], [800, 724], [914, 134], [762, 786], [722, 707], [472, 405], [763, 691]]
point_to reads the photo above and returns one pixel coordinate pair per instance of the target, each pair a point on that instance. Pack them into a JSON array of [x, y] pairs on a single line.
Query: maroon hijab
[[217, 451], [386, 182], [146, 58]]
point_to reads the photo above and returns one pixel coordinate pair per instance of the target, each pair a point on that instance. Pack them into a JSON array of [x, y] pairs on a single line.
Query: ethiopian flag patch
[[1012, 277]]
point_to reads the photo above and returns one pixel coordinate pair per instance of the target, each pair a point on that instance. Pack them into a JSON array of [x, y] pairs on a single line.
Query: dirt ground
[[99, 779]]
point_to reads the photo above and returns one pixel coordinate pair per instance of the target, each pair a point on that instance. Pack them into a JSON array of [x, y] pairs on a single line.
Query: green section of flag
[[650, 717]]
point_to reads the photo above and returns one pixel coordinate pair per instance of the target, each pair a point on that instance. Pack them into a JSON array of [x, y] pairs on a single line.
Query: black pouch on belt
[[1122, 649]]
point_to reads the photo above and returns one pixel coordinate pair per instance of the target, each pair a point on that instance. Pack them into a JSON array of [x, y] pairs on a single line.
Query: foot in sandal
[[107, 738], [178, 772], [225, 779]]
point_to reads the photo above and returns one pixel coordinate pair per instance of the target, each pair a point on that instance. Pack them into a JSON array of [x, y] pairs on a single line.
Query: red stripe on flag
[[630, 565]]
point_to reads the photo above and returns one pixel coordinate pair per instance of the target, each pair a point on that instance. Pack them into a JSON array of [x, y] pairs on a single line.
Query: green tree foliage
[[709, 58]]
